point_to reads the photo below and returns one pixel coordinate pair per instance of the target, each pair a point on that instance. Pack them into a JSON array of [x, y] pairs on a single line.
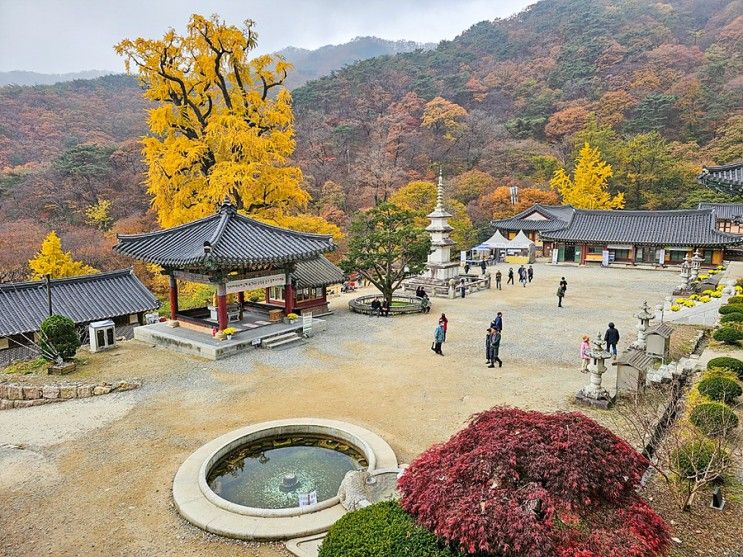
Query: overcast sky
[[58, 36]]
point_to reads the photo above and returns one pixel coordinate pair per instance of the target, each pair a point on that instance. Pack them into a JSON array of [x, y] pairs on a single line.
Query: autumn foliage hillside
[[656, 87]]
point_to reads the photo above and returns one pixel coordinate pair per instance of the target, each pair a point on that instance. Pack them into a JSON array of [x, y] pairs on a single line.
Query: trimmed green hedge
[[728, 335], [714, 418], [720, 388], [381, 530], [692, 459], [735, 300], [60, 336], [734, 317], [731, 308], [725, 362]]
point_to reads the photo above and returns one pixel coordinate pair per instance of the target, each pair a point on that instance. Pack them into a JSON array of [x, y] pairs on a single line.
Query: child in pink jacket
[[585, 354]]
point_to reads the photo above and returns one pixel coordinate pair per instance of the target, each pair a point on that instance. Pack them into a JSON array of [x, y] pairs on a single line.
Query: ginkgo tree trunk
[[222, 125], [386, 246]]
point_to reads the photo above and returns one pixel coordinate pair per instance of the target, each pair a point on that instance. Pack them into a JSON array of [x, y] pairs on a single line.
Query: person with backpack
[[560, 295], [493, 348]]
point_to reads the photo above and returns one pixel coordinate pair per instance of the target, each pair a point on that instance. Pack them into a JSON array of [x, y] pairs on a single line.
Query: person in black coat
[[611, 337], [510, 276], [483, 266], [376, 307]]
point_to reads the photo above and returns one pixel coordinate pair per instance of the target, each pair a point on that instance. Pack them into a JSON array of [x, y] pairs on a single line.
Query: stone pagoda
[[439, 266]]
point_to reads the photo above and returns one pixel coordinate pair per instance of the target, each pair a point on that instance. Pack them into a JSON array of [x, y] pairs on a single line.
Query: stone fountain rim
[[198, 504]]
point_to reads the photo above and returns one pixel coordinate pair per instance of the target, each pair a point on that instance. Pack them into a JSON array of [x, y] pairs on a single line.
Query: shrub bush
[[716, 294], [726, 362], [59, 336], [735, 300], [381, 530], [731, 308], [734, 317], [490, 488], [693, 458], [720, 388], [728, 335], [714, 418]]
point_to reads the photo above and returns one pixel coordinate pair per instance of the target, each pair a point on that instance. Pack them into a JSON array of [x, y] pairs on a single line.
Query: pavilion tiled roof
[[725, 211], [691, 227], [557, 216], [318, 272], [24, 305], [224, 240], [725, 179]]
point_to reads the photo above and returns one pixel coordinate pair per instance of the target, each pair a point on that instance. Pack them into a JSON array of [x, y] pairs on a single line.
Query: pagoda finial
[[226, 206], [440, 191]]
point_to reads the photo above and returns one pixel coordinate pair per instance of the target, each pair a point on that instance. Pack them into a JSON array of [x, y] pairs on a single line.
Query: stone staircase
[[282, 340]]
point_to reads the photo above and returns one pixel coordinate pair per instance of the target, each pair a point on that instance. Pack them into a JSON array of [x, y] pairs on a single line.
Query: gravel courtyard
[[92, 477]]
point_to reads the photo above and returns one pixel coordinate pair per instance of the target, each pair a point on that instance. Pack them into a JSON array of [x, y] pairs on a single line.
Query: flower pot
[[229, 337]]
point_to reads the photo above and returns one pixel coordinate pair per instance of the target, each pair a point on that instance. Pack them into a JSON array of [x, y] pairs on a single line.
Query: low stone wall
[[24, 395]]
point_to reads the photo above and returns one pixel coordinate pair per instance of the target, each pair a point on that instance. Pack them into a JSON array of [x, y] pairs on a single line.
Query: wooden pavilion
[[235, 254]]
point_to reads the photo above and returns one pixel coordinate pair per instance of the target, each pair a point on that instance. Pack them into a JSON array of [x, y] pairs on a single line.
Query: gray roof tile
[[724, 211], [23, 305], [557, 216], [224, 240], [726, 179], [318, 272]]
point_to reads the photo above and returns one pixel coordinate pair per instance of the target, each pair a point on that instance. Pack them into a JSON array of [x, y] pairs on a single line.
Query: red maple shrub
[[516, 482]]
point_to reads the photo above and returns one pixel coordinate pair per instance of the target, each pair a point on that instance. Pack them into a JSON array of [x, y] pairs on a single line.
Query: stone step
[[281, 341]]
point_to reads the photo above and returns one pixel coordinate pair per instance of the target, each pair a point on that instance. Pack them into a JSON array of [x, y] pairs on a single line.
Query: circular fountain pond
[[284, 471], [275, 480]]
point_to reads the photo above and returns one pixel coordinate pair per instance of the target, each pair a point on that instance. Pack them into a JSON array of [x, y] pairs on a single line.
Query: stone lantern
[[594, 394], [685, 273], [696, 264], [644, 316]]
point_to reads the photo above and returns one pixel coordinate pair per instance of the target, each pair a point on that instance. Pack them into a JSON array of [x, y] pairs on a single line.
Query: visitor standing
[[425, 303], [560, 295], [498, 279], [530, 273], [488, 335], [522, 276], [498, 322], [494, 349], [376, 306], [483, 266], [563, 285], [510, 276], [466, 268], [444, 322], [439, 336], [585, 354], [611, 337], [463, 287]]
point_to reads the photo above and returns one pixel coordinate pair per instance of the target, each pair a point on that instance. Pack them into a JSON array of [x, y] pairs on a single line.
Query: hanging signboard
[[661, 256], [255, 282]]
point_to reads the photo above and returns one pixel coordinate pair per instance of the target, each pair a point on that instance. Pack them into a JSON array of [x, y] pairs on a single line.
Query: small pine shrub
[[381, 530], [713, 418], [692, 459], [720, 388], [728, 335], [60, 336], [735, 300], [725, 362], [734, 317], [730, 308]]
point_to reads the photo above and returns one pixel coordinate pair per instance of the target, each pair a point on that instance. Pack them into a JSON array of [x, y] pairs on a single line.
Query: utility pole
[[48, 281]]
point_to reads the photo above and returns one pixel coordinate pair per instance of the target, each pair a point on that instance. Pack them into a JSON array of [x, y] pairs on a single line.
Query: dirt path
[[94, 476]]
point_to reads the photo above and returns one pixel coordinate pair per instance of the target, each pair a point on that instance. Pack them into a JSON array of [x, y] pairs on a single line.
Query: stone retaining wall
[[24, 395]]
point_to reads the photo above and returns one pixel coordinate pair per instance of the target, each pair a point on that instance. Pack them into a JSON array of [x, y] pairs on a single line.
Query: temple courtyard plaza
[[93, 477]]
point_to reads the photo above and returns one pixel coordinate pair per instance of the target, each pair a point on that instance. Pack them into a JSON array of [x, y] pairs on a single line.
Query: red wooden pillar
[[173, 287], [583, 253], [288, 298], [222, 317]]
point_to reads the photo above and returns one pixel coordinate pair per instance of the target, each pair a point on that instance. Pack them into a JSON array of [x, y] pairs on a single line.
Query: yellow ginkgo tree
[[52, 260], [222, 125], [588, 187]]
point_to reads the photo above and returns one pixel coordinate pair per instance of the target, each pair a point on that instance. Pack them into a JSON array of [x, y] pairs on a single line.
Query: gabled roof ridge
[[67, 280], [282, 229], [723, 167], [636, 212]]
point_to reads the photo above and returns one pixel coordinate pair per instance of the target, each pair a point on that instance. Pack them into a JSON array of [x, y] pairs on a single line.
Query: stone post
[[685, 273], [644, 316], [452, 289], [594, 394]]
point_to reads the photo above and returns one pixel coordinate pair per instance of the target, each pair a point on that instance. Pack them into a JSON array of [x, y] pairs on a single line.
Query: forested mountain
[[657, 87], [312, 64], [18, 77]]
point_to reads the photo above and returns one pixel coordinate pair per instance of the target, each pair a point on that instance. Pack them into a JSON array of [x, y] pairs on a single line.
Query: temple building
[[236, 255], [729, 216], [605, 237], [116, 295], [727, 179]]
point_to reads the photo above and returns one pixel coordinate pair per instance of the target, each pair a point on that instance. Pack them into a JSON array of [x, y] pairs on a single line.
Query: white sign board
[[463, 257], [555, 255], [306, 499], [255, 282], [661, 256], [307, 323], [605, 258]]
